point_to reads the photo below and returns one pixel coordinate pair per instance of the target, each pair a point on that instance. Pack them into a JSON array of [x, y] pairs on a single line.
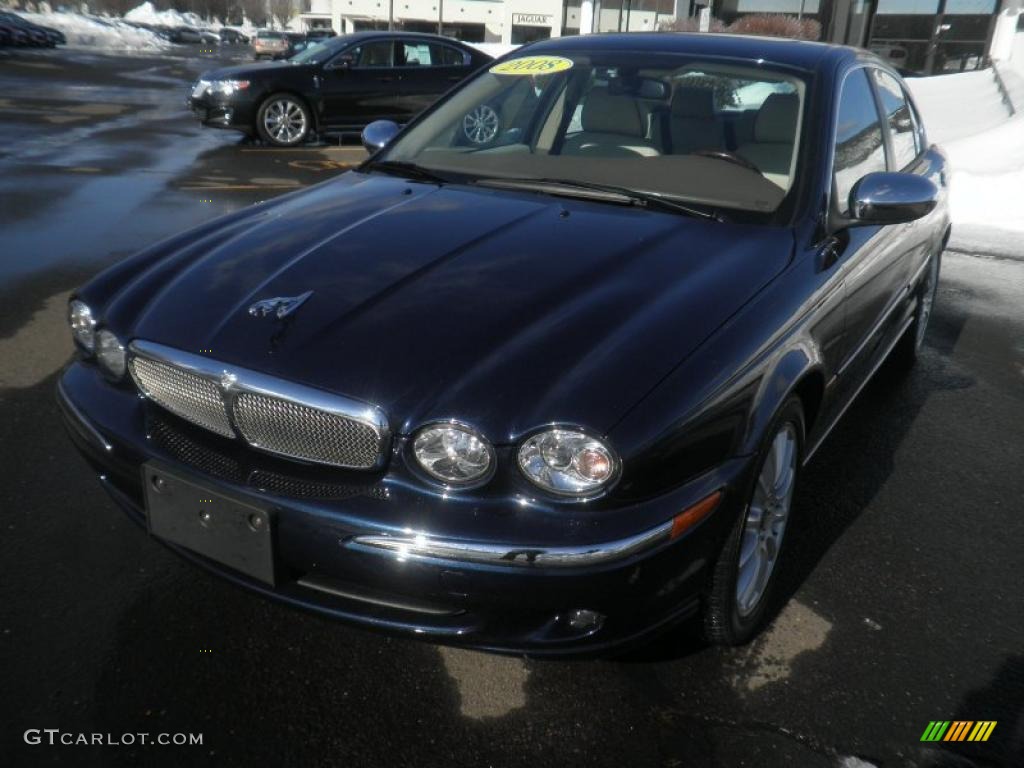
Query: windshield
[[722, 133]]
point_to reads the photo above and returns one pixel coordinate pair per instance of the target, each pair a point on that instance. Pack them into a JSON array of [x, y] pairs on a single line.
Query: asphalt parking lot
[[903, 593]]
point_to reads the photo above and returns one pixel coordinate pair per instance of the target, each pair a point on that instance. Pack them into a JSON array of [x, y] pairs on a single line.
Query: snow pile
[[964, 113], [147, 14], [112, 34], [986, 190], [955, 106]]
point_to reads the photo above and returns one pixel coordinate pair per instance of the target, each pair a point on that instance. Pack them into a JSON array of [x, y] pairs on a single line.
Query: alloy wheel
[[767, 516], [285, 121]]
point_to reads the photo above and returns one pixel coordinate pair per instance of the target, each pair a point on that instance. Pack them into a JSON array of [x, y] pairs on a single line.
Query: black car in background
[[31, 33], [339, 85], [233, 37], [321, 33], [186, 35], [12, 36]]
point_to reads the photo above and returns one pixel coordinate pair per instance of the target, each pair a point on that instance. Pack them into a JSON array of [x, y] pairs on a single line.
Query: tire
[[745, 572], [284, 120], [908, 348]]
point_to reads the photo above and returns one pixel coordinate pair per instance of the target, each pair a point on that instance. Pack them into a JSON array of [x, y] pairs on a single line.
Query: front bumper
[[376, 552], [235, 113]]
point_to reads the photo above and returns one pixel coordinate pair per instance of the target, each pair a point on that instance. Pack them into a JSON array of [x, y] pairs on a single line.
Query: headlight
[[453, 453], [228, 87], [567, 462], [110, 353], [83, 325]]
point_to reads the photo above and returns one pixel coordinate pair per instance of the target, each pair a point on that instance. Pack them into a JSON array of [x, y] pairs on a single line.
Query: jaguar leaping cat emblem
[[280, 306]]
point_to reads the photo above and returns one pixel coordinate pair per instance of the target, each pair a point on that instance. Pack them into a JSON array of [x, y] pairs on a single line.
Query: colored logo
[[532, 65], [958, 730]]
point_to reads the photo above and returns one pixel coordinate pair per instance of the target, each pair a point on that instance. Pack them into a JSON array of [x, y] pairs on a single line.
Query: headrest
[[776, 120], [604, 112], [690, 101]]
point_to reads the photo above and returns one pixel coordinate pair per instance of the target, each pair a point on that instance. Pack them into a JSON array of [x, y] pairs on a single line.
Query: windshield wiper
[[606, 192], [406, 170]]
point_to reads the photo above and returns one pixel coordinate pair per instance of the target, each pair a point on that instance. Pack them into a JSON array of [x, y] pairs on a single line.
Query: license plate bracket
[[231, 532]]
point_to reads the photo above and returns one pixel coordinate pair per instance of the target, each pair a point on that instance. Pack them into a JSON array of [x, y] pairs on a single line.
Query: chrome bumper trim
[[419, 546]]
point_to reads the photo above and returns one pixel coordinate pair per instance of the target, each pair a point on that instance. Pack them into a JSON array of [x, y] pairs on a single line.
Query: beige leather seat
[[774, 131], [692, 122], [612, 127]]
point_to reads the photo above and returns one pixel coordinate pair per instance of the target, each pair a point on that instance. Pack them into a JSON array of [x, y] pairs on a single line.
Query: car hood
[[257, 69], [502, 309]]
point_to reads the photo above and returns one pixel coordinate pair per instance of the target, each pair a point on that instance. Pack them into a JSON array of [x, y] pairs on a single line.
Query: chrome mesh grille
[[183, 393], [301, 432]]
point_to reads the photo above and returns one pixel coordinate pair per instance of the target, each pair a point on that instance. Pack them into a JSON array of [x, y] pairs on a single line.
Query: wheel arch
[[800, 373]]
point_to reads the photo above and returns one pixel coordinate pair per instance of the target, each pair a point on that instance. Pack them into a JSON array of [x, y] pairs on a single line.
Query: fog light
[[585, 620]]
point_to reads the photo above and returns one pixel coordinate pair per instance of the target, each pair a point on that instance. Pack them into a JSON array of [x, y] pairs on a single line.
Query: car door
[[873, 264], [360, 85], [428, 69]]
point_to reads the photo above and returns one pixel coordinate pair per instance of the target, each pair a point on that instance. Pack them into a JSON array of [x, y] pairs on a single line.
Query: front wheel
[[283, 120], [744, 574]]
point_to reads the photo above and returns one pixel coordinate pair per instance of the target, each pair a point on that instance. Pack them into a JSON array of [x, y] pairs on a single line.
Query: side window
[[859, 146], [902, 127], [370, 55], [417, 55], [446, 56]]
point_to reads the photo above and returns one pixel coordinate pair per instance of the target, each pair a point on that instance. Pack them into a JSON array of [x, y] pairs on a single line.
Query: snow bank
[[111, 34], [955, 106], [964, 113], [147, 14], [986, 189]]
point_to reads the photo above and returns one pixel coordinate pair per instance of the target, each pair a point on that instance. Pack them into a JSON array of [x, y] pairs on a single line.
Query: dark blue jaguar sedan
[[542, 374]]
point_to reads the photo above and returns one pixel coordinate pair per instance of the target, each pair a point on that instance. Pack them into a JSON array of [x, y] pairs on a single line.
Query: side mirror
[[378, 135], [892, 198]]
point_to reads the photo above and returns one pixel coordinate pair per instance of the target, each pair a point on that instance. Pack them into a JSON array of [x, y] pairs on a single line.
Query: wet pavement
[[902, 596]]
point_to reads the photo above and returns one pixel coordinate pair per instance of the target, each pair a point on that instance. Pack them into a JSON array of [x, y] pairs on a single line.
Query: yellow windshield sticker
[[532, 65]]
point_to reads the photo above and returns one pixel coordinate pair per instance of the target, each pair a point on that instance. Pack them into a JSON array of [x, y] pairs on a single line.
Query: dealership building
[[923, 36]]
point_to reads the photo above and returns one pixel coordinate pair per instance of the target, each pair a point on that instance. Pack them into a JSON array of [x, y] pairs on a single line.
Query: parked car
[[185, 35], [320, 33], [549, 392], [339, 85], [268, 44], [233, 36], [209, 37], [36, 35], [13, 36]]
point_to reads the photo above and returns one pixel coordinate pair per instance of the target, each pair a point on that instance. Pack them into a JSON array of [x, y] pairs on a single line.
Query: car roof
[[425, 36], [802, 54]]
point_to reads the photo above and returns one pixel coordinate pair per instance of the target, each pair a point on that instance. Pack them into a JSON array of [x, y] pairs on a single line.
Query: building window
[[522, 34]]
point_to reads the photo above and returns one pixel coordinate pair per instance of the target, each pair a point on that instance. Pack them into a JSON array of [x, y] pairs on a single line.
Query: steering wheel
[[729, 157]]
